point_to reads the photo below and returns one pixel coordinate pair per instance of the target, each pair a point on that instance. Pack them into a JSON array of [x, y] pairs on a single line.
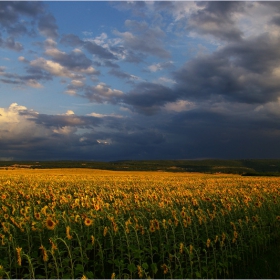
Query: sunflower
[[88, 222], [50, 224], [37, 216]]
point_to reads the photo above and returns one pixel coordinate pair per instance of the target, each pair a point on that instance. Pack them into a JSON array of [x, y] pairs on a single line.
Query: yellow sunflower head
[[50, 224]]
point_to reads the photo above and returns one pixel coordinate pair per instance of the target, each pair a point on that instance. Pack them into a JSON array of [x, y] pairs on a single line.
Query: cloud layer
[[168, 80]]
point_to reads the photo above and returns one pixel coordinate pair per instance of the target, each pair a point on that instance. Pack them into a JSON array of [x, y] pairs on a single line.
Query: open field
[[89, 223], [247, 167]]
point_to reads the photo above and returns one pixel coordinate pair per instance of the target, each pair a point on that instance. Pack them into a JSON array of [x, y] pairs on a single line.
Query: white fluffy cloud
[[16, 125], [52, 67]]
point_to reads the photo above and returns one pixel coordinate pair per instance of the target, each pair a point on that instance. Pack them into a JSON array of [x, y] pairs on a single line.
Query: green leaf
[[154, 268], [198, 275], [79, 268], [145, 265], [131, 267], [89, 274]]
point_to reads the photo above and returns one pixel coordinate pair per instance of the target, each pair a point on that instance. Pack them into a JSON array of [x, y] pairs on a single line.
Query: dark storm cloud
[[202, 133], [196, 133], [215, 18], [11, 10], [241, 72], [258, 54], [147, 97], [276, 20], [47, 26], [60, 121]]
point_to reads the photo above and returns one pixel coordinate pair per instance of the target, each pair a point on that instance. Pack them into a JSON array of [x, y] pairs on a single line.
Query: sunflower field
[[81, 223]]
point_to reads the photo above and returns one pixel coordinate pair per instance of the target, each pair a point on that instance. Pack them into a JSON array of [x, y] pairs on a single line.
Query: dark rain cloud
[[240, 72], [216, 18], [60, 121], [47, 26], [11, 10], [147, 98]]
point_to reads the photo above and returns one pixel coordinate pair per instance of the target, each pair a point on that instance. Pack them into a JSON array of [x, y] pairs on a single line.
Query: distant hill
[[246, 167]]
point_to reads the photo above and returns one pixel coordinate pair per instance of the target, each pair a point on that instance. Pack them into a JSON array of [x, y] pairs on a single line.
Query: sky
[[139, 80]]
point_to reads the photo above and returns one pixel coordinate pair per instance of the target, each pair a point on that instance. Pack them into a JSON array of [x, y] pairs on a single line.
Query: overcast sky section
[[139, 80]]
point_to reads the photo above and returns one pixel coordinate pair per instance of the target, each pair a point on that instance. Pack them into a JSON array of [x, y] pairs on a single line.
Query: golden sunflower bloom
[[88, 222], [37, 216], [84, 277], [50, 224], [152, 228]]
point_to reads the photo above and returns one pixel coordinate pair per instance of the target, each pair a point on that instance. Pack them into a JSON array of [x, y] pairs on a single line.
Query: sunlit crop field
[[71, 223]]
